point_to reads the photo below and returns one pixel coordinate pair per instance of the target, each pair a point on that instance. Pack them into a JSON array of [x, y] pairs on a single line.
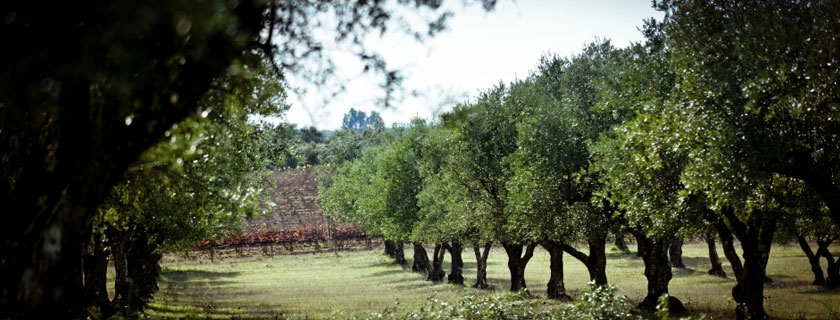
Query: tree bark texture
[[714, 259], [389, 248], [675, 253], [437, 274], [657, 272], [657, 269], [399, 254], [456, 273], [421, 260], [556, 287], [517, 263], [756, 239], [481, 265], [620, 243]]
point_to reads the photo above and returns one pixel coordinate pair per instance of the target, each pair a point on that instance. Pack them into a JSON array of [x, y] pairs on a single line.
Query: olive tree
[[485, 137], [551, 189]]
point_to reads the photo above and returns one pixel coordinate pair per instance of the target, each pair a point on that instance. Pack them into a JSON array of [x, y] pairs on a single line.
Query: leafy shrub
[[599, 302]]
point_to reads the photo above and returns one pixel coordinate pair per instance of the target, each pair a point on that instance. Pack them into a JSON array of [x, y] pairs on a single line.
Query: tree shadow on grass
[[385, 273], [209, 311], [820, 290], [622, 255], [186, 275], [685, 272]]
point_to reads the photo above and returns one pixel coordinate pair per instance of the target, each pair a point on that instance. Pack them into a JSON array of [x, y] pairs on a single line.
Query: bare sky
[[478, 50]]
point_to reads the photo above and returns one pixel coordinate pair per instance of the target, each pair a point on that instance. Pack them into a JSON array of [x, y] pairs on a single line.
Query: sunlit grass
[[316, 285]]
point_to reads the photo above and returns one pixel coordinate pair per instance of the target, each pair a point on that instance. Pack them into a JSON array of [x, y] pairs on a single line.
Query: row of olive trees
[[712, 124]]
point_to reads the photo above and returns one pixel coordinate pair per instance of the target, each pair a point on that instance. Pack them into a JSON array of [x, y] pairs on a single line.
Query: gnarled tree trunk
[[517, 263], [556, 287], [714, 259], [456, 275], [399, 254], [675, 253], [595, 261], [814, 260], [657, 272], [756, 240], [96, 268], [122, 282], [143, 270], [421, 260], [727, 241], [437, 274], [833, 269], [69, 157], [389, 248], [481, 266], [620, 243]]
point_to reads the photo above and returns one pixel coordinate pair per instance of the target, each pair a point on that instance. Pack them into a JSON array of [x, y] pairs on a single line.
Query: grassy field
[[316, 285]]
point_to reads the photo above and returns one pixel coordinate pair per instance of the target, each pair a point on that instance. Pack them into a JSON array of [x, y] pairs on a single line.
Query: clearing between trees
[[357, 283]]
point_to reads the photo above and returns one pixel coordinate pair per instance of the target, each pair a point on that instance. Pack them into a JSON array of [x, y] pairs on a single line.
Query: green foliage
[[485, 135], [757, 95], [596, 303], [351, 192], [206, 175], [401, 182], [601, 302], [551, 188], [441, 197]]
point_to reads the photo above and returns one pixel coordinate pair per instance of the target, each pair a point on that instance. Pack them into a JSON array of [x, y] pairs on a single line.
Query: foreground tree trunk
[[437, 274], [595, 261], [714, 259], [399, 254], [517, 263], [814, 260], [657, 272], [421, 260], [675, 253], [556, 287], [456, 275], [65, 164], [481, 266]]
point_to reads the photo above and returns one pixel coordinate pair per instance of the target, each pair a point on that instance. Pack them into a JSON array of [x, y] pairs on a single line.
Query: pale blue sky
[[477, 51]]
